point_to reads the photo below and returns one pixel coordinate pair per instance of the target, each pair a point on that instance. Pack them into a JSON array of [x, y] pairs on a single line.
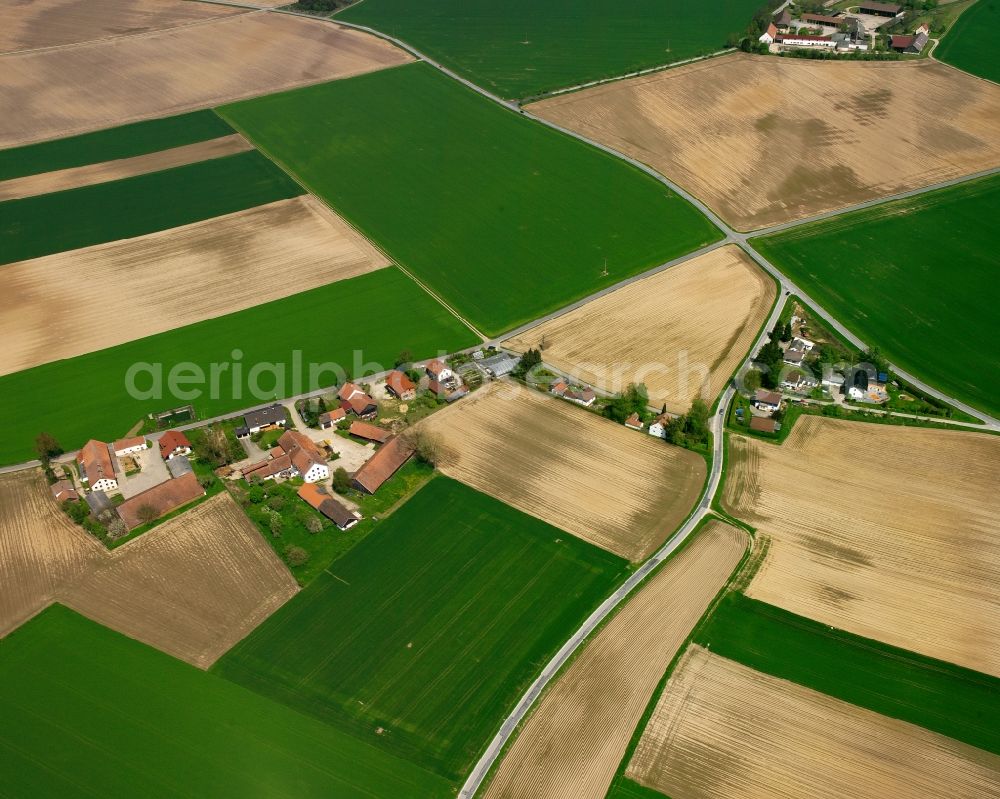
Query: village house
[[308, 460], [64, 491], [96, 466], [768, 36], [769, 401], [328, 419], [798, 380], [174, 443], [163, 498], [634, 422], [584, 397], [354, 400], [438, 370], [382, 465], [370, 432], [400, 386], [317, 497], [129, 446], [658, 427], [270, 469], [261, 419], [793, 357]]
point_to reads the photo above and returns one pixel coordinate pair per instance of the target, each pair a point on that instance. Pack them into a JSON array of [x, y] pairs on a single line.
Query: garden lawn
[[423, 636], [942, 697], [504, 218], [122, 209], [971, 42], [918, 277], [89, 712], [524, 47], [360, 324], [127, 141]]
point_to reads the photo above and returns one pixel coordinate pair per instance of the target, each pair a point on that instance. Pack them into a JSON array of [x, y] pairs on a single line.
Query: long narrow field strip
[[53, 23], [624, 491], [62, 91], [967, 45], [192, 587], [173, 278], [40, 548], [725, 731], [767, 140], [887, 532], [422, 637], [944, 698], [919, 277], [681, 332], [122, 209], [503, 218], [87, 711], [349, 328], [114, 144], [575, 739], [523, 47], [75, 177]]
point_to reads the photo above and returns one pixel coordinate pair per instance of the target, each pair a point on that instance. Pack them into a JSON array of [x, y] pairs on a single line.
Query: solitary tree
[[425, 445], [341, 480], [751, 380], [313, 523], [47, 447], [296, 556]]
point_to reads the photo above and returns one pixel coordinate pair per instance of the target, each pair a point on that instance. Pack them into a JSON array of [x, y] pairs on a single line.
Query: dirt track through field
[[40, 548], [764, 140], [129, 289], [724, 731], [192, 587], [619, 489], [892, 533], [62, 179], [59, 92], [681, 332], [572, 743], [32, 24]]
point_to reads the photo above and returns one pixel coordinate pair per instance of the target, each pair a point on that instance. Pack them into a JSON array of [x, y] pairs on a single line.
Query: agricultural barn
[[328, 419], [784, 21], [96, 468], [881, 9], [794, 40], [307, 459], [370, 432], [255, 421], [319, 499], [823, 19], [763, 425], [908, 44], [400, 386], [280, 466], [382, 465], [174, 443], [64, 490], [179, 466], [163, 498], [129, 446]]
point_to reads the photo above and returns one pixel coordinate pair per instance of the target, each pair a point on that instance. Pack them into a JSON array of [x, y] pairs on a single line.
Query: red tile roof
[[762, 424], [171, 441], [64, 490], [128, 443], [267, 468], [95, 460], [399, 384], [317, 496], [382, 465], [163, 498], [370, 432], [332, 416], [435, 367], [362, 404], [301, 449], [348, 390]]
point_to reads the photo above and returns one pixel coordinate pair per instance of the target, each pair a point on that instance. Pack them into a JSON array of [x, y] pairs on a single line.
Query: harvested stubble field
[[74, 177], [622, 490], [51, 23], [887, 532], [725, 731], [767, 140], [192, 587], [681, 332], [40, 548], [58, 92], [174, 278], [575, 739]]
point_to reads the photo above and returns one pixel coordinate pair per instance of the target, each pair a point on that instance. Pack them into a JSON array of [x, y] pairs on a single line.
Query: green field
[[378, 315], [431, 627], [524, 47], [126, 141], [89, 712], [122, 209], [948, 699], [970, 44], [919, 278], [506, 219], [625, 788]]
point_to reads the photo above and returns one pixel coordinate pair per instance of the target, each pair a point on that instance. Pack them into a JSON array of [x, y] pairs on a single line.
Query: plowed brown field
[[49, 93], [173, 278], [30, 24], [765, 140], [192, 587], [619, 489], [61, 179], [40, 548], [724, 731], [681, 332], [575, 738], [889, 532]]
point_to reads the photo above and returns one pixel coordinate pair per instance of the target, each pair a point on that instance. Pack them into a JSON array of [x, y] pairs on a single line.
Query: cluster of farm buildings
[[842, 32]]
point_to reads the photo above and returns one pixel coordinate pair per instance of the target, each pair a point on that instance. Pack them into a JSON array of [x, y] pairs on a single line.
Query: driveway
[[353, 454], [154, 471]]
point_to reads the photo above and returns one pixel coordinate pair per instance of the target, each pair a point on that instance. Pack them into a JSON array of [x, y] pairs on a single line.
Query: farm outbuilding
[[881, 9]]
